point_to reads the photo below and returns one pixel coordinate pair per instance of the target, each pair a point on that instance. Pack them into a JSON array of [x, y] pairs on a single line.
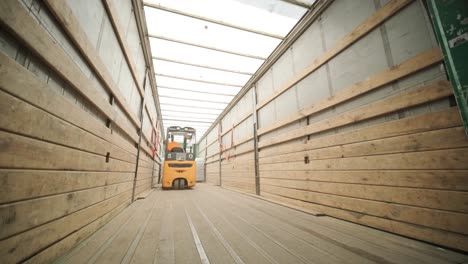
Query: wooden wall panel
[[67, 150], [20, 184], [56, 250], [31, 242], [238, 172], [380, 142], [212, 173], [409, 149], [441, 237]]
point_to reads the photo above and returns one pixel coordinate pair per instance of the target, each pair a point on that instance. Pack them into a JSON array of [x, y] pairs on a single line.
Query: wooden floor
[[208, 224]]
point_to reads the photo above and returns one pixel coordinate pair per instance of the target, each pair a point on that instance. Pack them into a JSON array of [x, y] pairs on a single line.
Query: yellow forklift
[[179, 170]]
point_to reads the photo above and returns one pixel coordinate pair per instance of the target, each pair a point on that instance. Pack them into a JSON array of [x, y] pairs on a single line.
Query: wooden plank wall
[[211, 151], [357, 121], [212, 173], [238, 173], [67, 150], [236, 160]]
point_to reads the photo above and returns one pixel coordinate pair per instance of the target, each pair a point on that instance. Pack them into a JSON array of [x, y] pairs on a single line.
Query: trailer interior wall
[[71, 92], [356, 120]]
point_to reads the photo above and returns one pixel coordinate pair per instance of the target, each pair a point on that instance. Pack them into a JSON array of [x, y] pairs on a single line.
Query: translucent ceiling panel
[[195, 125], [198, 73], [208, 34], [196, 115], [195, 55], [183, 102], [188, 110], [183, 121], [199, 130], [186, 123], [163, 92], [168, 82], [273, 16], [189, 118]]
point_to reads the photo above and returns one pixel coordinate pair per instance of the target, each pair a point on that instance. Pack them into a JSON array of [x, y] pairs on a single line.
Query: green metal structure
[[450, 22]]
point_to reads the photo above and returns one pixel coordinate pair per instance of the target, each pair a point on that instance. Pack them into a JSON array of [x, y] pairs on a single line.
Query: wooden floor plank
[[406, 246], [285, 214], [246, 248], [265, 211], [146, 249], [296, 247], [184, 245], [89, 247], [114, 251], [136, 241], [278, 250], [236, 228], [165, 251], [216, 252]]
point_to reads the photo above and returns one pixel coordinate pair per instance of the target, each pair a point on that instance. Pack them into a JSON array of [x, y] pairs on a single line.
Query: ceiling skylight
[[205, 51]]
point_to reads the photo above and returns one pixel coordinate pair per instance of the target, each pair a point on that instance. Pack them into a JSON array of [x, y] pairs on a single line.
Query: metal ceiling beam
[[185, 120], [206, 47], [197, 127], [190, 118], [182, 124], [188, 112], [201, 65], [187, 90], [198, 130], [191, 112], [194, 123], [219, 22], [195, 80], [191, 106], [190, 109], [298, 3], [191, 99]]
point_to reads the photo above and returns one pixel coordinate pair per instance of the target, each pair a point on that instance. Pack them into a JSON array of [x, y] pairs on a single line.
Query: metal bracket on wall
[[220, 153], [255, 127], [140, 135], [450, 22], [159, 173], [206, 154], [138, 152]]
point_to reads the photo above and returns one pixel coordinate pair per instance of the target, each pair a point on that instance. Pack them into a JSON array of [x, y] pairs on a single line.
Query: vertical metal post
[[152, 176], [140, 134], [161, 162], [255, 127], [204, 158], [159, 173], [220, 130]]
